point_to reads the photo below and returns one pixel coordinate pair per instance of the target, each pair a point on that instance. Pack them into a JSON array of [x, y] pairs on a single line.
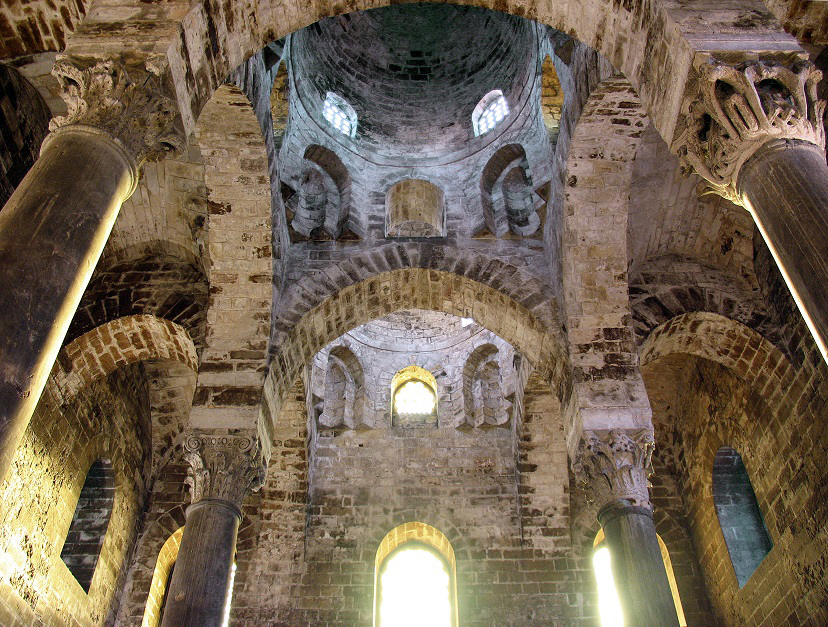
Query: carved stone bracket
[[223, 467], [616, 465], [131, 105], [739, 108]]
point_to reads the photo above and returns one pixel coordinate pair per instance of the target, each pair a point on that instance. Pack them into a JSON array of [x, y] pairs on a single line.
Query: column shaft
[[637, 566], [199, 589], [52, 232], [786, 185]]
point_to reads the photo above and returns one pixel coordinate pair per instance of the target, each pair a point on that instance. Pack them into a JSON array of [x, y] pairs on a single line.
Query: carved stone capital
[[616, 466], [223, 467], [131, 105], [739, 108]]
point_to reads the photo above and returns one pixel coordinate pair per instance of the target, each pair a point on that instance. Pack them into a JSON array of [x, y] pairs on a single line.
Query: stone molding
[[223, 467], [131, 105], [616, 465], [739, 108]]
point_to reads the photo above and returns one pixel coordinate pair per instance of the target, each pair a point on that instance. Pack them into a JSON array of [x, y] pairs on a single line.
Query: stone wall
[[723, 385], [107, 419]]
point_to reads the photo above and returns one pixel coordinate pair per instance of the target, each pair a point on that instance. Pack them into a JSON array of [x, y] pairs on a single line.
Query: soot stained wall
[[24, 122]]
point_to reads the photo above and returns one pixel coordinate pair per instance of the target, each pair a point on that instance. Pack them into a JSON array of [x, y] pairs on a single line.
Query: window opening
[[740, 518], [85, 539], [609, 604], [415, 578], [414, 589], [413, 398], [340, 114], [489, 112]]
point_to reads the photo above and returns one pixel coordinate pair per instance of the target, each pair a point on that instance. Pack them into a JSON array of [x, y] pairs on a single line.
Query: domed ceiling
[[413, 74]]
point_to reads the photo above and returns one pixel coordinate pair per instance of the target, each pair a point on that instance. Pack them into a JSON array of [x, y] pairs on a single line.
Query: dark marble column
[[755, 133], [223, 469], [55, 225], [616, 465]]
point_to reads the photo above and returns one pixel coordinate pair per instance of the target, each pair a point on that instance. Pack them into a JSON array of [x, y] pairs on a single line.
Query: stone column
[[54, 226], [615, 465], [755, 133], [223, 469]]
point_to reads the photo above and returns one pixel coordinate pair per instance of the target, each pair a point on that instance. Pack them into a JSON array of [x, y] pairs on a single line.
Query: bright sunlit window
[[414, 589], [489, 112], [609, 606], [414, 397], [340, 114]]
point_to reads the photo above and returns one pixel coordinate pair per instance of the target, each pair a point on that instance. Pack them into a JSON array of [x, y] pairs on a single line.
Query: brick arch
[[119, 343], [731, 344], [44, 25], [667, 286], [158, 277], [211, 39], [311, 289], [414, 288]]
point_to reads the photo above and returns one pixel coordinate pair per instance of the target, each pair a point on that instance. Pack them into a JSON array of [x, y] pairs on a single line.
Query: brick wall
[[109, 419]]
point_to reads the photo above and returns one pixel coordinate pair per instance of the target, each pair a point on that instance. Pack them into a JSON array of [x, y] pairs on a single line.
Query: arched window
[[162, 577], [413, 398], [489, 112], [415, 578], [609, 605], [340, 114], [89, 524], [739, 515]]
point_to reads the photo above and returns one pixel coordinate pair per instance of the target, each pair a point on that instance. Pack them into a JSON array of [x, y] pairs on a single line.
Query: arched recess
[[157, 278], [594, 247], [729, 343], [171, 365], [344, 399], [240, 251], [507, 195], [337, 210], [528, 290], [414, 208], [731, 387], [415, 288], [485, 405], [667, 286]]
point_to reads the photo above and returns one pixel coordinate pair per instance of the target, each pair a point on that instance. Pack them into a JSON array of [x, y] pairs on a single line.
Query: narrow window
[[489, 112], [415, 579], [609, 605], [414, 400], [739, 515], [340, 114], [82, 547]]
